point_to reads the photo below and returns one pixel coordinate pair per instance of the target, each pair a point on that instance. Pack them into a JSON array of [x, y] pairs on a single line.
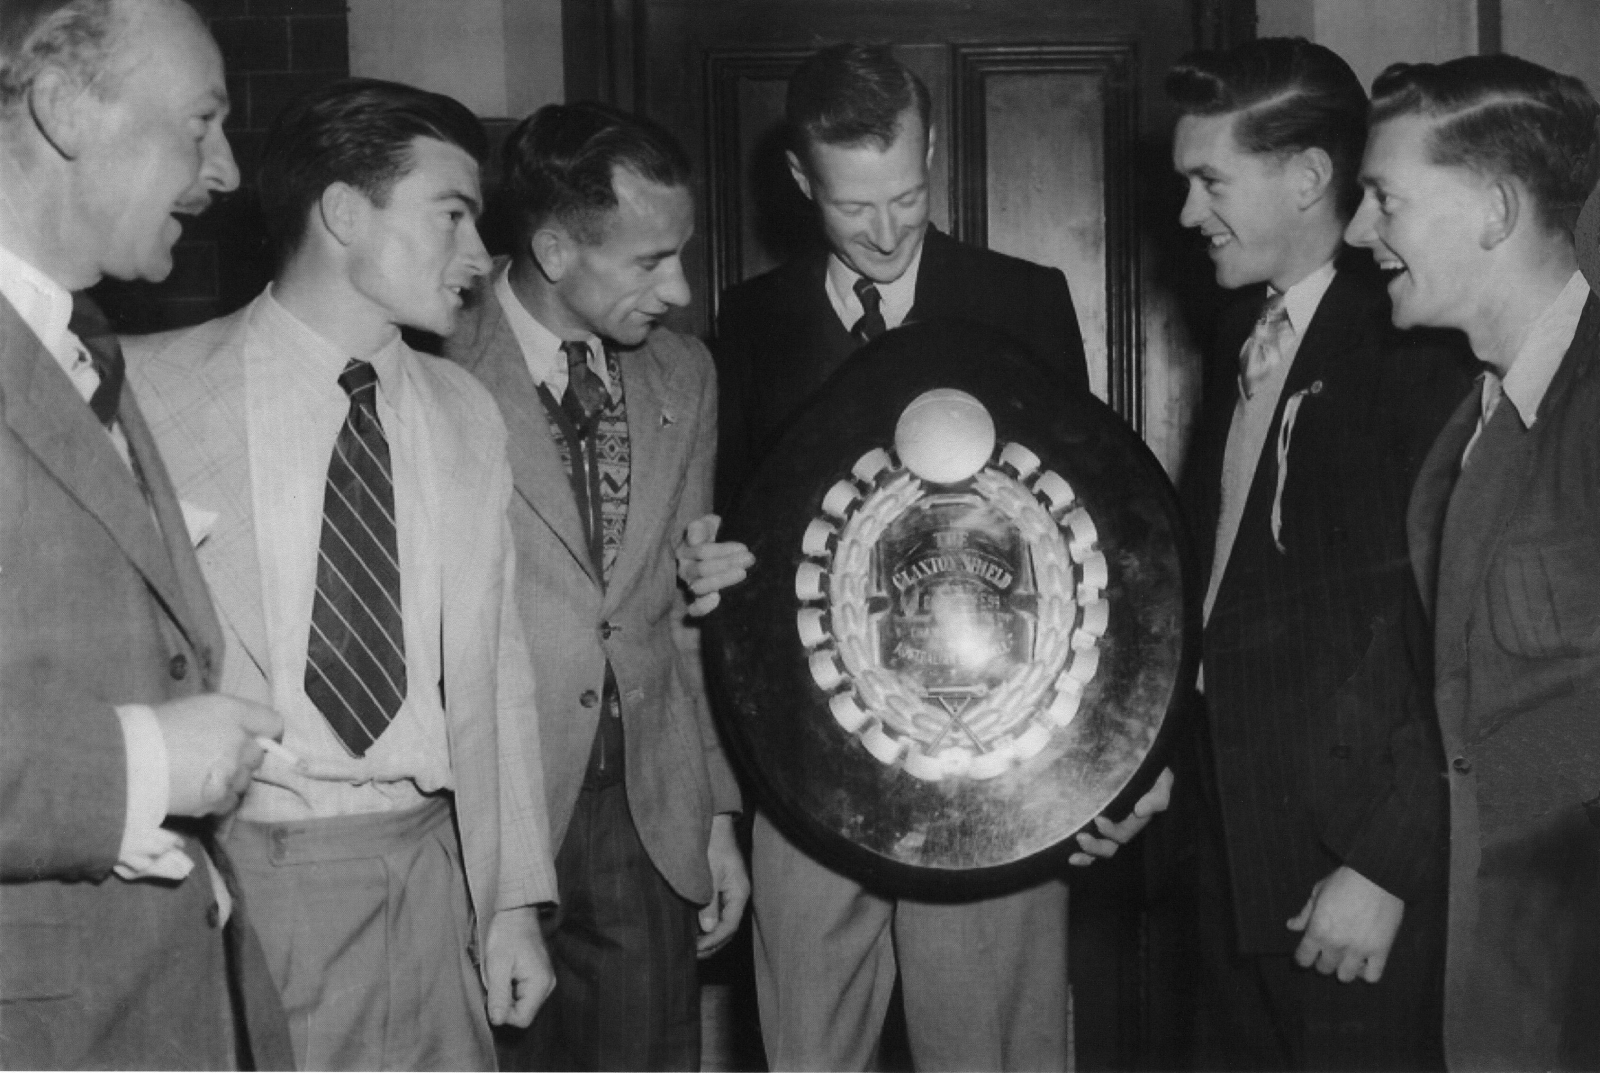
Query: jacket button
[[178, 666], [606, 630], [213, 915], [1341, 752], [589, 698], [1461, 764]]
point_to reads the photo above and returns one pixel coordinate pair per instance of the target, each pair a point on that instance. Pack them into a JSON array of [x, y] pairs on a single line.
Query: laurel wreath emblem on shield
[[1040, 614]]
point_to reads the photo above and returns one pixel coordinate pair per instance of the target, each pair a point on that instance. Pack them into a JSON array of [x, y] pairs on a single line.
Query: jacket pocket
[[40, 961], [1544, 598]]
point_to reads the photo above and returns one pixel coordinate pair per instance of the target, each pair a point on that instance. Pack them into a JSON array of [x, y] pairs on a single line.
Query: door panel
[[1051, 144]]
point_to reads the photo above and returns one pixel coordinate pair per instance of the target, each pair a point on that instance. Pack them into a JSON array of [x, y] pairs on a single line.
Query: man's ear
[[342, 209], [927, 161], [1313, 174], [801, 179], [60, 107], [1502, 208], [551, 248]]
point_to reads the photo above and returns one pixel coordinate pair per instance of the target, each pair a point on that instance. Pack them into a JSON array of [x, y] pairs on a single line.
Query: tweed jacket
[[1507, 556], [193, 385], [676, 775], [101, 603]]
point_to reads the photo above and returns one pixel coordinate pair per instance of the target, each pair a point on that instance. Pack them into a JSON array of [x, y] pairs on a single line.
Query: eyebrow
[[465, 198]]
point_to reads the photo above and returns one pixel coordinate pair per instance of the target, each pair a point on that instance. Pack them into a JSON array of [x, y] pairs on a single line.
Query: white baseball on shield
[[944, 436]]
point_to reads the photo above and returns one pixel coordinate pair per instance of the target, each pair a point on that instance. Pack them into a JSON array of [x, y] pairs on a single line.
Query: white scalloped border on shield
[[1017, 719]]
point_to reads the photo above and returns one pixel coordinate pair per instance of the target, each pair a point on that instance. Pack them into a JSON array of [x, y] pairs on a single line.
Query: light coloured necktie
[[1488, 401], [1263, 351]]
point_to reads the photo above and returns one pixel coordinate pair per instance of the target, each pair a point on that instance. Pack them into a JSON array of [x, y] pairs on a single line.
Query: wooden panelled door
[[1052, 143]]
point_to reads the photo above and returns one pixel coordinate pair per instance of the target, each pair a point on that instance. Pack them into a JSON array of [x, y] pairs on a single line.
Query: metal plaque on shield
[[966, 628]]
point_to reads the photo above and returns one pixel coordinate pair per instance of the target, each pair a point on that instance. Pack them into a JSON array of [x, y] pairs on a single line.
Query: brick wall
[[274, 50]]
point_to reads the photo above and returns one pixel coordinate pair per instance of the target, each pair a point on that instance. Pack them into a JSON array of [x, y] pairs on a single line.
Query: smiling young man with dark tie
[[396, 849]]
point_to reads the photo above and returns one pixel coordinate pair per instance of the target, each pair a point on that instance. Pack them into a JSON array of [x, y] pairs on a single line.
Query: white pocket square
[[198, 520]]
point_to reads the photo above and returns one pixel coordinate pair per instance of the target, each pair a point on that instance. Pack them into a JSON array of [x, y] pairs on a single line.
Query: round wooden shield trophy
[[966, 630]]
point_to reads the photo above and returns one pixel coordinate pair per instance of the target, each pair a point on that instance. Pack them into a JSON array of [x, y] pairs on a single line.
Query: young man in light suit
[[1474, 174], [359, 556], [613, 426], [120, 944]]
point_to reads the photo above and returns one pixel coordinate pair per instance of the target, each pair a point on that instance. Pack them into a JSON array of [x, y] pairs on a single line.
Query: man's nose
[[674, 287], [220, 171]]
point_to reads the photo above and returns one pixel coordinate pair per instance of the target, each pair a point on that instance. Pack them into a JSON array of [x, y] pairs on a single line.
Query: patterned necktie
[[356, 659], [1263, 351], [586, 394], [95, 333], [871, 325]]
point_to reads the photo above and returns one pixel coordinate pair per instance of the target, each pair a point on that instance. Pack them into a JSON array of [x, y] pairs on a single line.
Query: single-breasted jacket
[[676, 775], [192, 383], [1322, 747], [779, 339], [1507, 555], [101, 603]]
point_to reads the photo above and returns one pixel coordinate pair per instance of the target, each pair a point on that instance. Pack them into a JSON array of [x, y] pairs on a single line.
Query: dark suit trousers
[[1264, 1012], [622, 943]]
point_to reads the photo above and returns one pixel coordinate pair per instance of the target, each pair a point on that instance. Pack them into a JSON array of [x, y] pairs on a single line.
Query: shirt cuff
[[147, 849]]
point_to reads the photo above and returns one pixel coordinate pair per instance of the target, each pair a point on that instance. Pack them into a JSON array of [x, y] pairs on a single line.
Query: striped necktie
[[356, 659], [871, 325]]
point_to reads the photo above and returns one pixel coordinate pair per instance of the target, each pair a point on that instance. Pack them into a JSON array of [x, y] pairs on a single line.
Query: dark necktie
[[586, 395], [871, 324], [356, 659], [95, 333]]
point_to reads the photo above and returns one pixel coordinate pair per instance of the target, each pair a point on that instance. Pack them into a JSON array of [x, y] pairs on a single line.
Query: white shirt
[[541, 348], [294, 409], [1252, 420], [896, 297]]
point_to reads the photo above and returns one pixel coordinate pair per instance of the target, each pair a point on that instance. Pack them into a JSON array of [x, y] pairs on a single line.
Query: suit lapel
[[1430, 497], [536, 469], [221, 464], [205, 633], [53, 421]]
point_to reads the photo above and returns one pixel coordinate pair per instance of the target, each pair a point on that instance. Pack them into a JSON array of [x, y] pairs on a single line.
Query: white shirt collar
[[307, 353], [1535, 365], [1300, 301], [897, 297], [541, 348], [44, 305]]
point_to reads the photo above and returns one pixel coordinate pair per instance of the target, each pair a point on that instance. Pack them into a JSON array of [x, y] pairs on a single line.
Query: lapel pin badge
[[666, 419]]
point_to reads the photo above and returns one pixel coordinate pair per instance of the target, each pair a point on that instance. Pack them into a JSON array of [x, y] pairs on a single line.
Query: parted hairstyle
[[558, 165], [356, 131], [851, 94], [75, 35], [1291, 95], [1503, 117]]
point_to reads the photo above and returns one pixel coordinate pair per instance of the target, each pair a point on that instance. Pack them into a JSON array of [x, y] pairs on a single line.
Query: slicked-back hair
[[558, 166], [356, 131], [1290, 95], [1503, 117], [852, 94], [75, 35]]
